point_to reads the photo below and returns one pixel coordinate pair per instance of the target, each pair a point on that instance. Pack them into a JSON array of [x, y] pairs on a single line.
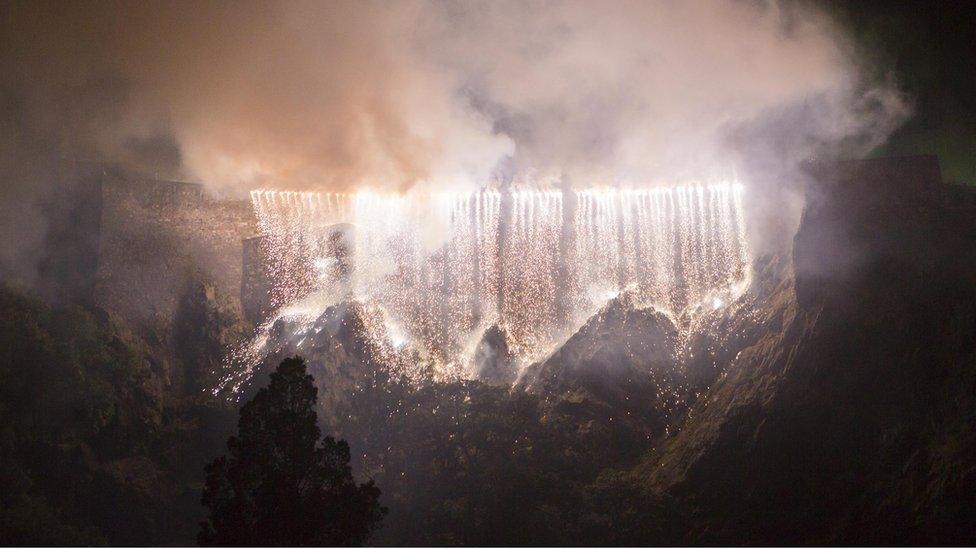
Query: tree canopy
[[282, 483]]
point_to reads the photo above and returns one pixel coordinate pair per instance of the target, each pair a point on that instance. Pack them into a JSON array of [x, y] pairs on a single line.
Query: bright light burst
[[443, 267]]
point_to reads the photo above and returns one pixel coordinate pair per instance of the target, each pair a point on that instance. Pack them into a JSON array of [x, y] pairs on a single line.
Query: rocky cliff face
[[206, 323], [169, 267], [622, 365], [342, 350], [832, 403], [847, 417], [495, 363]]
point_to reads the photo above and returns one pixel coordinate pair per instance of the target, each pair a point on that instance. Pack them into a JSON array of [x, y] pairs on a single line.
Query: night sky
[[929, 47]]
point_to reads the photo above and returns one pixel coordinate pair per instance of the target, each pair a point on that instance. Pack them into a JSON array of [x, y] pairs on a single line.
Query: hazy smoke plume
[[341, 95], [333, 95]]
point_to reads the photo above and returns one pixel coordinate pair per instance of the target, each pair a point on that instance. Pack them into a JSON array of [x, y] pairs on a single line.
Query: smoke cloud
[[347, 94], [332, 96]]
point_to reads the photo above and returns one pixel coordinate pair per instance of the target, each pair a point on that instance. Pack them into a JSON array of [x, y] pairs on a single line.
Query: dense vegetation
[[281, 485], [92, 453], [466, 463], [89, 452]]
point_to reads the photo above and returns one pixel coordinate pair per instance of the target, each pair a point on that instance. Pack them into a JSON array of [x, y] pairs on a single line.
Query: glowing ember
[[442, 268]]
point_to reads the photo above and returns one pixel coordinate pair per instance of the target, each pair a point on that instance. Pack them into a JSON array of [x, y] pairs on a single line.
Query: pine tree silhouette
[[281, 484]]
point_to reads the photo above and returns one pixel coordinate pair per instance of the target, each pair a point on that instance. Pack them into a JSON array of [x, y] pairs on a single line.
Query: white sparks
[[441, 268]]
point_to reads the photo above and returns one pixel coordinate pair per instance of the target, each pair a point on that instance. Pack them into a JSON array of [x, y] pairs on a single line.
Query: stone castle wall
[[155, 234], [860, 212], [154, 238], [889, 180], [158, 242]]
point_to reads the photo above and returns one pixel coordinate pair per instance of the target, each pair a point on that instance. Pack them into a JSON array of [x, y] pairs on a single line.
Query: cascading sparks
[[443, 267]]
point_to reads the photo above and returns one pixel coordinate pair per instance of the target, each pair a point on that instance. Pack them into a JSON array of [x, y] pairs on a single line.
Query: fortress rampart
[[146, 244], [156, 234], [860, 212]]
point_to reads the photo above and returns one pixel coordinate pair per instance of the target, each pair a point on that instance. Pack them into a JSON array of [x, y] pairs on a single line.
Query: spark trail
[[443, 267]]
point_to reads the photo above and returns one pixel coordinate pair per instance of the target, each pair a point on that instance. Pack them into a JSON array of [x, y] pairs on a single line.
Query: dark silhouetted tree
[[281, 483]]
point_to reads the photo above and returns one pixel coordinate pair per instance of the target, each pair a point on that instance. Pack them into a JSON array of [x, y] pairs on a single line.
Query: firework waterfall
[[443, 267]]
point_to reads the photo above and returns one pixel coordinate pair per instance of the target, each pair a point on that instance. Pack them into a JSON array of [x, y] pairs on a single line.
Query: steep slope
[[620, 366], [90, 452], [343, 347], [638, 367], [849, 419]]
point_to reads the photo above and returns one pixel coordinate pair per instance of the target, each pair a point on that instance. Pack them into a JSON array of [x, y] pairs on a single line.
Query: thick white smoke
[[340, 95], [332, 95]]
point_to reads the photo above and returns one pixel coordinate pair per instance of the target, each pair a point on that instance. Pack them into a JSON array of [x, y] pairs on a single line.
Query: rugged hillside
[[622, 365], [343, 348], [848, 420], [458, 462], [832, 403], [90, 453]]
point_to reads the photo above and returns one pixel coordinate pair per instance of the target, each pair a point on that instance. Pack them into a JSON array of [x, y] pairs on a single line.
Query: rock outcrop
[[844, 419], [494, 361], [622, 366], [342, 347]]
